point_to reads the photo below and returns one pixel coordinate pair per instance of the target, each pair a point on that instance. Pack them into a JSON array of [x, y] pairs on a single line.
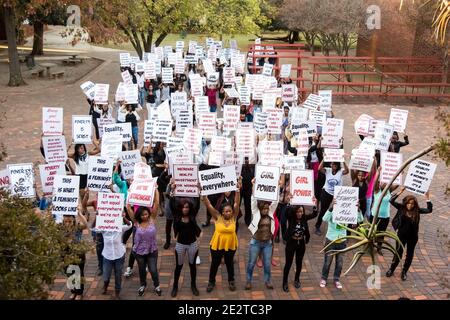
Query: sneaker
[[269, 285], [231, 286], [338, 285], [318, 232], [248, 285], [323, 283], [195, 291], [99, 272], [197, 261], [128, 272], [158, 291], [389, 273], [297, 284], [174, 292], [141, 291], [285, 287], [259, 263], [166, 245], [275, 263], [210, 287]]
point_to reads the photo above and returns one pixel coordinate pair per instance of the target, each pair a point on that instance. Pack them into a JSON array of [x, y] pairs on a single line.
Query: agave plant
[[366, 235]]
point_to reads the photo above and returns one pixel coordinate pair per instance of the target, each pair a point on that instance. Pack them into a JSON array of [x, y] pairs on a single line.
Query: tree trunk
[[15, 76], [445, 66], [295, 36], [148, 44], [38, 39], [160, 39]]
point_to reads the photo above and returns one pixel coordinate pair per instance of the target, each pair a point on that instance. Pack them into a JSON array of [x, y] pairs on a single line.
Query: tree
[[31, 250], [9, 9]]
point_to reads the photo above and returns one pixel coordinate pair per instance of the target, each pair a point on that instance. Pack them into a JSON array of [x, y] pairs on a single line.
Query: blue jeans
[[142, 94], [255, 248], [368, 209], [117, 264], [135, 134], [213, 108], [329, 259]]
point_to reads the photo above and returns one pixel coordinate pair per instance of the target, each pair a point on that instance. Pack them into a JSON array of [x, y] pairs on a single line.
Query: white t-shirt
[[331, 180], [82, 166]]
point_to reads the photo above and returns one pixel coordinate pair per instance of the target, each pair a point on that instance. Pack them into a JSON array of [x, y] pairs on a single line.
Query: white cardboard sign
[[398, 118], [346, 211], [4, 179], [390, 163], [217, 180], [285, 71], [21, 179], [419, 176], [101, 93], [48, 173], [142, 192], [124, 129], [383, 134], [99, 173], [65, 195], [82, 129], [128, 161], [109, 212], [332, 133], [55, 149], [162, 130], [266, 183], [52, 121], [186, 180], [88, 88], [302, 187], [333, 155], [111, 146]]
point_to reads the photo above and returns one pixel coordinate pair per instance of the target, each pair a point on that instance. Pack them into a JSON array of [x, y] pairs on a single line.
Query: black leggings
[[382, 226], [126, 235], [410, 243], [297, 248], [192, 268], [216, 258], [325, 201]]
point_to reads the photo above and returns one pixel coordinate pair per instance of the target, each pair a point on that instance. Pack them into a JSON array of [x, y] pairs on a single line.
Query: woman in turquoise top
[[384, 213]]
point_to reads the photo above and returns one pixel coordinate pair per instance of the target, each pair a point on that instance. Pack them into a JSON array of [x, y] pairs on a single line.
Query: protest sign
[[179, 66], [231, 114], [319, 116], [101, 93], [120, 92], [245, 143], [125, 59], [197, 87], [162, 130], [362, 124], [310, 126], [419, 176], [312, 102], [88, 88], [244, 95], [150, 70], [270, 153], [192, 46], [186, 180], [293, 163], [332, 133], [55, 149], [99, 173], [345, 211], [267, 69], [333, 155], [208, 66], [372, 126], [228, 75], [234, 159], [102, 122], [141, 171], [48, 173], [302, 143], [216, 158], [179, 45], [178, 101], [128, 160], [206, 122], [171, 59], [285, 71], [126, 77], [109, 212], [298, 114], [369, 144], [220, 143], [326, 101], [65, 195], [201, 104], [174, 145], [163, 111], [4, 179], [361, 160], [131, 93], [185, 157], [266, 185], [383, 134], [148, 131], [124, 129], [288, 92], [213, 78], [268, 102], [192, 140], [81, 129], [167, 75], [21, 180], [158, 67], [142, 192], [274, 120], [398, 119], [184, 120], [231, 92], [302, 187], [260, 122], [52, 121], [217, 180], [390, 163]]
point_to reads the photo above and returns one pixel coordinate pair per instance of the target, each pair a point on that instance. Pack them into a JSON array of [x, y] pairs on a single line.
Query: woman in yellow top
[[224, 241]]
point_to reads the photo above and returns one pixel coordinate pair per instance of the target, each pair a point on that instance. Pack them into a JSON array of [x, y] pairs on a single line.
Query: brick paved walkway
[[430, 268]]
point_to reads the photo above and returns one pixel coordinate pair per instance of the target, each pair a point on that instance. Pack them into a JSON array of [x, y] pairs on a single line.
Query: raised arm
[[321, 168], [237, 198], [429, 208], [395, 204], [345, 171], [213, 211]]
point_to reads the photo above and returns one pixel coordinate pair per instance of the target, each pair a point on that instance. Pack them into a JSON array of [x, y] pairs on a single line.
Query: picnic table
[[73, 59], [48, 66]]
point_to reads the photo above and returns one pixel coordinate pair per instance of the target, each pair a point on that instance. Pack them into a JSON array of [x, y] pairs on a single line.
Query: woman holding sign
[[224, 241], [297, 237], [333, 178], [186, 232], [406, 222]]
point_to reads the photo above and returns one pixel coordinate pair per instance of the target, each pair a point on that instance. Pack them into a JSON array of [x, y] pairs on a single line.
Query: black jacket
[[291, 217]]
